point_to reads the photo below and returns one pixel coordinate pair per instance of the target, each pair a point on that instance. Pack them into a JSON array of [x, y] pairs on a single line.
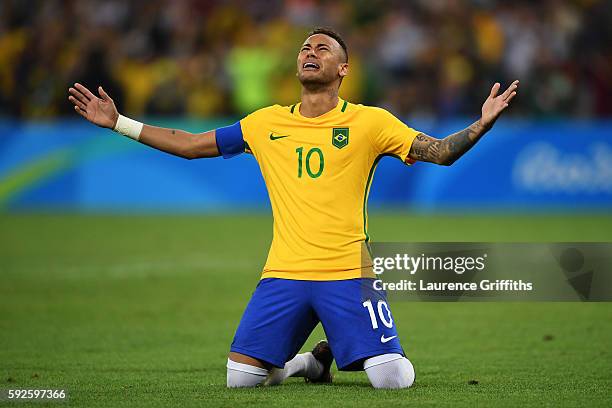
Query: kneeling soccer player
[[317, 157]]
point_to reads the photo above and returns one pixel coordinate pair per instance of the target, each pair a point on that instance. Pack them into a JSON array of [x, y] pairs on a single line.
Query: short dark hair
[[331, 33]]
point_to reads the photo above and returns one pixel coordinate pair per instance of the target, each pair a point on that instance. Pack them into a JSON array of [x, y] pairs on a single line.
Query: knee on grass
[[389, 371], [244, 375]]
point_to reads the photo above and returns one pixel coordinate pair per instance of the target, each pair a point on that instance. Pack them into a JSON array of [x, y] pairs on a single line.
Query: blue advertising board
[[520, 165]]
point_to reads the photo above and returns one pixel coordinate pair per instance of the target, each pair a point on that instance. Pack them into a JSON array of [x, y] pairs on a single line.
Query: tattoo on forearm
[[446, 151], [173, 131]]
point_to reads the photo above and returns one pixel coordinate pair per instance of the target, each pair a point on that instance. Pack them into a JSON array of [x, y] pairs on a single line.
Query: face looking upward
[[321, 62]]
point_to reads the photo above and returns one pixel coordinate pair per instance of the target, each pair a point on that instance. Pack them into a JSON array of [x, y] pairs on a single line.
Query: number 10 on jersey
[[306, 161]]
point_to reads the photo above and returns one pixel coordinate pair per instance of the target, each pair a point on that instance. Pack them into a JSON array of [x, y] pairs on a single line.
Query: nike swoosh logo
[[272, 137], [384, 339]]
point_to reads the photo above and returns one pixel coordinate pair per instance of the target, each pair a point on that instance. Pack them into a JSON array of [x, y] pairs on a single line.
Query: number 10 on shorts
[[386, 320]]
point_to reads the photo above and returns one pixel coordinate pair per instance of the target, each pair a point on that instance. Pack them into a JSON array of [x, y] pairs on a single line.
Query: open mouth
[[310, 66]]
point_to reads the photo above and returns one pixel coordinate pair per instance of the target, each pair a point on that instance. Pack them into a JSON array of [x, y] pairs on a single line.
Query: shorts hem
[[361, 356], [259, 356]]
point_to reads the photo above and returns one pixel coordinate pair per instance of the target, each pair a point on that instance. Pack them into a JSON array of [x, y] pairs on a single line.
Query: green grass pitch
[[140, 311]]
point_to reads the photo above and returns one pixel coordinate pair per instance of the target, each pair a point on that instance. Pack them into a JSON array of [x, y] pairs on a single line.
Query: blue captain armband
[[229, 140]]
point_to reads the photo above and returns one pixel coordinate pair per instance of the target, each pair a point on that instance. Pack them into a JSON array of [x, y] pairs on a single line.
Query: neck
[[318, 102]]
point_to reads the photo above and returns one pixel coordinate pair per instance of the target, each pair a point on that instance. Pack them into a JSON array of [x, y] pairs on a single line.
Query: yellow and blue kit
[[318, 173]]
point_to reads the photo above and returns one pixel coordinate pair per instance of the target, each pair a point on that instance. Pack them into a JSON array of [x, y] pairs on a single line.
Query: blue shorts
[[282, 313]]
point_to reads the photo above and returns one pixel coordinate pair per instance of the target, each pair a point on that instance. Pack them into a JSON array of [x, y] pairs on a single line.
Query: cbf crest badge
[[340, 137]]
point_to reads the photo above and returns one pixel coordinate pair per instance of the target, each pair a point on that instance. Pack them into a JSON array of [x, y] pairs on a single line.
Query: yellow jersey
[[318, 173]]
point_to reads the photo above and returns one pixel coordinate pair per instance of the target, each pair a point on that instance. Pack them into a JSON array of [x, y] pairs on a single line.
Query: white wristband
[[128, 127]]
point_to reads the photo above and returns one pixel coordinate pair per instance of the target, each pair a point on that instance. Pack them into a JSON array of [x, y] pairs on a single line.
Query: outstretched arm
[[446, 151], [103, 112]]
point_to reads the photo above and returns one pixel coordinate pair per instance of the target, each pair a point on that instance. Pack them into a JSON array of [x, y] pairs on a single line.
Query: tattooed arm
[[446, 151]]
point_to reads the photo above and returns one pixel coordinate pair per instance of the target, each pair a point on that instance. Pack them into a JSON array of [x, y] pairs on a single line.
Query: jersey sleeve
[[392, 136], [254, 127], [243, 135]]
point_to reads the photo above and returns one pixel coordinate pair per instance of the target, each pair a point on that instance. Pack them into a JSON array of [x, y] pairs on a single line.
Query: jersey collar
[[339, 108]]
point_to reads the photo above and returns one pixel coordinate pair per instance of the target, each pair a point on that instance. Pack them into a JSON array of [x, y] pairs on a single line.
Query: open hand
[[495, 104], [100, 111]]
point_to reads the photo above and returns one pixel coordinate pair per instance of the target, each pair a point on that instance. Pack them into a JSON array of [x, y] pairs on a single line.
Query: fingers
[[77, 103], [79, 96], [84, 91], [510, 89], [510, 98], [80, 112], [104, 95], [494, 90]]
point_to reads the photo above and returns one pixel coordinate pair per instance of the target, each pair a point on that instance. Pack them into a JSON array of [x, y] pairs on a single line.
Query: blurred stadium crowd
[[432, 58]]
